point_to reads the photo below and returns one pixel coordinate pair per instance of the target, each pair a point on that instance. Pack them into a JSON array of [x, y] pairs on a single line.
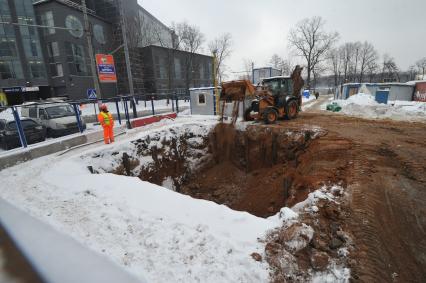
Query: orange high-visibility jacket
[[105, 118]]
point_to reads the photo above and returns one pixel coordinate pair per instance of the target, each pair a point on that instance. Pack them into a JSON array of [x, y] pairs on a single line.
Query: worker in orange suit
[[107, 122]]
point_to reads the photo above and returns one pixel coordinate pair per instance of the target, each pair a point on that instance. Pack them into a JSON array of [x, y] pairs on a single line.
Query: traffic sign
[[91, 93], [106, 68]]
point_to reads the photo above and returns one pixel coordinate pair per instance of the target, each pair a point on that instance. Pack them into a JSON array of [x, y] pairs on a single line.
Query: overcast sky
[[260, 27]]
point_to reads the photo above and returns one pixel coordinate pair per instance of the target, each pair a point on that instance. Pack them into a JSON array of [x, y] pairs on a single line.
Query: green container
[[334, 107]]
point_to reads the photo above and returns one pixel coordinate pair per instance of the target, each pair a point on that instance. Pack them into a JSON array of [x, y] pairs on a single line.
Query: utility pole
[[90, 47], [126, 48]]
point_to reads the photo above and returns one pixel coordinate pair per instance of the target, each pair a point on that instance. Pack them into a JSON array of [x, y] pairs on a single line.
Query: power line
[[38, 26]]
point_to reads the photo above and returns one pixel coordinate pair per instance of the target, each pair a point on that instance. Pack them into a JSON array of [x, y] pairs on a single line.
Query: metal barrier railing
[[128, 102]]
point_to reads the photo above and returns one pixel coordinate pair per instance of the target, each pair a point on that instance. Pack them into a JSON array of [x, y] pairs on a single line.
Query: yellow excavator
[[275, 98]]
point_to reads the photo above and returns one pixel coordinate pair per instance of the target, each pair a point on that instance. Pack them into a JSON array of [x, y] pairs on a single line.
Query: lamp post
[[215, 81], [90, 47]]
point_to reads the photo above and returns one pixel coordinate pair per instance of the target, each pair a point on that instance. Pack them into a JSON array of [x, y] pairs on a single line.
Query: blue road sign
[[91, 93]]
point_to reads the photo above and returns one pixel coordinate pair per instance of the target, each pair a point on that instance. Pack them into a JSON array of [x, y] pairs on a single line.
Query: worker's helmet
[[103, 107]]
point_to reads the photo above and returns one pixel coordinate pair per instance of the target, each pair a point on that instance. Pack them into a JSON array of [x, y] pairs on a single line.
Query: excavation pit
[[258, 169]]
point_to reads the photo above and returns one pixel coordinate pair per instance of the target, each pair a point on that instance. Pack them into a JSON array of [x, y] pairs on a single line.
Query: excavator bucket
[[237, 90]]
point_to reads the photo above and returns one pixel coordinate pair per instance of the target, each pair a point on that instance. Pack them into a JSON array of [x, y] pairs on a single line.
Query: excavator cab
[[275, 98]]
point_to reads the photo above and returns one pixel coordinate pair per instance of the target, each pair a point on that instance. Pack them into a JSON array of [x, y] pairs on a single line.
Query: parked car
[[9, 136], [59, 118]]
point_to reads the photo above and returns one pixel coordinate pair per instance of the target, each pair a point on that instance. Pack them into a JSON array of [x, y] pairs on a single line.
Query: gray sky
[[260, 27]]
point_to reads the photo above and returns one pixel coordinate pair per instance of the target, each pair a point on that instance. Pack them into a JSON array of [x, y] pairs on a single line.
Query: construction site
[[335, 198], [133, 150]]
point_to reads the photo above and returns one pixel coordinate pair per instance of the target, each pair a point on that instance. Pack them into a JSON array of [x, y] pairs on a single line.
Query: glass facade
[[46, 19], [30, 39], [10, 65]]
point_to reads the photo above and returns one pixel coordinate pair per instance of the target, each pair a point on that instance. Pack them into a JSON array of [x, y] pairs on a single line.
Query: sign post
[[106, 68], [91, 95]]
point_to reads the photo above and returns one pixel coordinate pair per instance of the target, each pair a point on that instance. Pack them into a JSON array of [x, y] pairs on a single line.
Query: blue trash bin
[[382, 96]]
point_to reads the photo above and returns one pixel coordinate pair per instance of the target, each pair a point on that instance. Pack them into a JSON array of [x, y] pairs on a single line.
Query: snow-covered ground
[[151, 231], [365, 106], [89, 110]]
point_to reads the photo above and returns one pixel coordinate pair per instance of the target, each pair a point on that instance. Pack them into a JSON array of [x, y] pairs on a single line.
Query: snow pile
[[362, 99], [365, 106]]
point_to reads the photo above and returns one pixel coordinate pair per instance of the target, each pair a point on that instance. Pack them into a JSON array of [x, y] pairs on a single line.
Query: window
[[60, 111], [178, 73], [98, 30], [24, 123], [160, 68], [31, 47], [56, 70], [10, 69], [47, 20], [75, 24], [7, 48], [41, 114], [32, 112], [36, 69], [208, 72], [76, 60], [201, 99], [53, 49]]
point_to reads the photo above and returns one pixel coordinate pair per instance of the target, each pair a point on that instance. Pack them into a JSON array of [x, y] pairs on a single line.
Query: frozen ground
[[89, 110], [364, 105], [149, 230]]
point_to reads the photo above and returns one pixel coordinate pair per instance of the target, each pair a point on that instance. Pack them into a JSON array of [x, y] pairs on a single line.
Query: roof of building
[[203, 88], [72, 5], [162, 47], [277, 77]]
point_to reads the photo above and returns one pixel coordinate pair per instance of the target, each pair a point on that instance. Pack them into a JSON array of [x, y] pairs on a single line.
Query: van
[[59, 118]]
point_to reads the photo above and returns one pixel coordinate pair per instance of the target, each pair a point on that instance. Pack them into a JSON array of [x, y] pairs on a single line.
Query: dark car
[[9, 137]]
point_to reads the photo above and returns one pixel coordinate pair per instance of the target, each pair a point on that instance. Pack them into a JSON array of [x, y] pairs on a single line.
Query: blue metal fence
[[126, 100]]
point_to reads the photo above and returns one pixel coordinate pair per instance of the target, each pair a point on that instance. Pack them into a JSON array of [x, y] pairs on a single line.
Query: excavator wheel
[[291, 110], [270, 116]]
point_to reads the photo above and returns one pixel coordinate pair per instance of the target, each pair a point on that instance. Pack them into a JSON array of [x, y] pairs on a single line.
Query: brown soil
[[387, 187], [381, 165]]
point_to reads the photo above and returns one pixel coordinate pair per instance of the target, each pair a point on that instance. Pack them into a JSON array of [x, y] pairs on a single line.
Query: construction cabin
[[204, 102], [383, 92]]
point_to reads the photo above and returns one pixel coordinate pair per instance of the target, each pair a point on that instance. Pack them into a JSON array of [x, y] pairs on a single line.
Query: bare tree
[[368, 55], [346, 53], [334, 58], [279, 63], [390, 70], [222, 47], [356, 48], [412, 72], [421, 64], [248, 69], [312, 42], [371, 70]]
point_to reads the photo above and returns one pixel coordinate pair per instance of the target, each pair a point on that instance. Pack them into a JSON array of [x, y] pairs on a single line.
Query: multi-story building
[[66, 51], [168, 69], [38, 63], [23, 74]]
